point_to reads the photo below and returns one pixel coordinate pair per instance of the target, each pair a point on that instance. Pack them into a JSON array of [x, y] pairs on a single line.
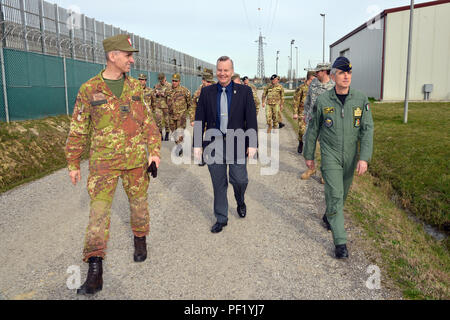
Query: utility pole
[[408, 64], [260, 62], [323, 15]]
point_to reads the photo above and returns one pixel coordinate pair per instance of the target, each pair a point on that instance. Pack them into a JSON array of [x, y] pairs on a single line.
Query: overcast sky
[[207, 29]]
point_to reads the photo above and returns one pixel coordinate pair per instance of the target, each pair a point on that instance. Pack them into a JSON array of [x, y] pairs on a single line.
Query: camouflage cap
[[323, 67], [176, 77], [120, 42], [142, 76], [161, 76], [209, 78]]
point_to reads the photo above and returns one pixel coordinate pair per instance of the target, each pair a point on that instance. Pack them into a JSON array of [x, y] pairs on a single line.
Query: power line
[[246, 16]]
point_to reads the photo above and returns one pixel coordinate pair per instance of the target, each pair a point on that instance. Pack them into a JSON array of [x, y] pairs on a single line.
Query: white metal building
[[378, 52]]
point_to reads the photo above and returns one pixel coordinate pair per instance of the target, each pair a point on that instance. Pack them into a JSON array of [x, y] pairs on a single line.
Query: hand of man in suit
[[198, 154], [251, 153]]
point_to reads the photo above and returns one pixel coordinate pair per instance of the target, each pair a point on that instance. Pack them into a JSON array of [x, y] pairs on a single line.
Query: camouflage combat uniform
[[275, 99], [179, 101], [255, 97], [147, 98], [316, 88], [299, 100], [159, 106], [120, 131], [194, 103]]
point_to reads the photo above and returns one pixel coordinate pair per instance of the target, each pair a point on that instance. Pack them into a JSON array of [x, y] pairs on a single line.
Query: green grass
[[26, 156], [414, 157]]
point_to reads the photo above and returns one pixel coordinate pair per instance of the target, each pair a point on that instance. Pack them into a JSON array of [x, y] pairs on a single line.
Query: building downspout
[[383, 55]]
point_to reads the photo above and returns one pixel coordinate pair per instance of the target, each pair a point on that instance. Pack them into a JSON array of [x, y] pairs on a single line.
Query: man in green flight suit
[[343, 119]]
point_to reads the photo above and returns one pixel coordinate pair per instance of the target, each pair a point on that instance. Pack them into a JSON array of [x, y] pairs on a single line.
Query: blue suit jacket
[[242, 114]]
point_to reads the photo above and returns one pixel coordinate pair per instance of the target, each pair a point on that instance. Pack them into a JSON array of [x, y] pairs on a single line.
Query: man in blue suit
[[228, 111]]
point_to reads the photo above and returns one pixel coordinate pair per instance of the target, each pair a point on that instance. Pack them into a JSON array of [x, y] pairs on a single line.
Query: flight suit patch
[[357, 122], [328, 110], [328, 122], [357, 113]]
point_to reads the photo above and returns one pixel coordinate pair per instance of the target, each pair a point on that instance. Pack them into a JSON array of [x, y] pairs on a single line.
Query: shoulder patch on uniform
[[367, 107]]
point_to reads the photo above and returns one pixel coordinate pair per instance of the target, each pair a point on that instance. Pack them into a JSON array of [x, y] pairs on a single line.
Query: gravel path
[[279, 251]]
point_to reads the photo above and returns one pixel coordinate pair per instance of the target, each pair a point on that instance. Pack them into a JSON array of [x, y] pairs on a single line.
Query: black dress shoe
[[341, 251], [94, 280], [140, 249], [327, 224], [202, 164], [300, 147], [218, 227], [242, 211]]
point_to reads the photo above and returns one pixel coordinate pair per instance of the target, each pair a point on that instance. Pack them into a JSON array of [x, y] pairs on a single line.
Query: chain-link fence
[[47, 52]]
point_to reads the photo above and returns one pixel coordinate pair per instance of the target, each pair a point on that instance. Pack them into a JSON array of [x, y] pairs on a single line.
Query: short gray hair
[[225, 58], [333, 71], [107, 54]]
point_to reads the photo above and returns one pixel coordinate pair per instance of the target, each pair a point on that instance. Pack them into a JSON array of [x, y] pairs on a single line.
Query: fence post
[[5, 91], [65, 85], [24, 24], [42, 25], [58, 36]]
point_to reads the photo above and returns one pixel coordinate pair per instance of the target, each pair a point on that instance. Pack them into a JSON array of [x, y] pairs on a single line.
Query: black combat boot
[[341, 251], [300, 147], [281, 125], [140, 249], [94, 281], [160, 132], [166, 138]]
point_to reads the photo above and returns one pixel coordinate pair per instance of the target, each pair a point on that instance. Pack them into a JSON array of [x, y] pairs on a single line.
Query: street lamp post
[[323, 15], [296, 67], [278, 52], [290, 80]]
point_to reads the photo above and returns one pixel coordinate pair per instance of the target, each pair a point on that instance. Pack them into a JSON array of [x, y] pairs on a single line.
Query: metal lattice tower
[[261, 71]]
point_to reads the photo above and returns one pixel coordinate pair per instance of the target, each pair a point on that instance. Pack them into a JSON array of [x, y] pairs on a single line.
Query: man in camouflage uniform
[[299, 101], [246, 82], [179, 101], [148, 92], [109, 109], [207, 80], [280, 113], [159, 100], [322, 83], [275, 101]]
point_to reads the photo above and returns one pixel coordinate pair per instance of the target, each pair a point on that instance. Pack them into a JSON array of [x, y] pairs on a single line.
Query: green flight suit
[[342, 128]]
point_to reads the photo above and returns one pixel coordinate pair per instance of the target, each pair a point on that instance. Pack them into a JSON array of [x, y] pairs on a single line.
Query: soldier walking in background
[[179, 101], [246, 82], [343, 119], [280, 112], [275, 101], [122, 132], [207, 79], [148, 92], [299, 101], [319, 85], [160, 107], [236, 78]]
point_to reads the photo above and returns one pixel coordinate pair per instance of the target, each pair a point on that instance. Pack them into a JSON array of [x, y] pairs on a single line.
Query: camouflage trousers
[[301, 128], [273, 114], [101, 187], [280, 116], [178, 121], [162, 118]]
